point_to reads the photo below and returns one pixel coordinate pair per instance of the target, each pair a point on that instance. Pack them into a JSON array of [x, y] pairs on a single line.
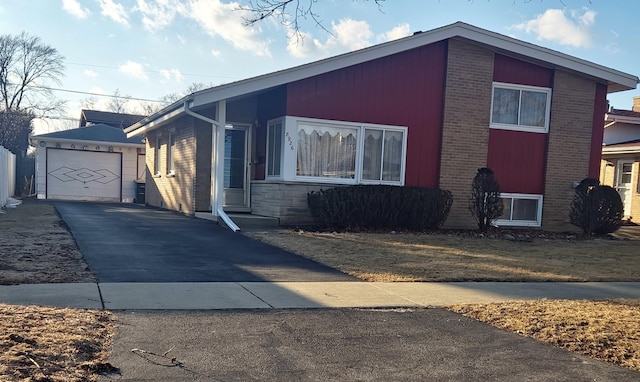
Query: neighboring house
[[120, 120], [621, 157], [427, 110], [97, 163]]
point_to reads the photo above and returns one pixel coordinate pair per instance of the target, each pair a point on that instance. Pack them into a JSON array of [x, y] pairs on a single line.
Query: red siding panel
[[405, 89], [518, 159], [514, 71], [597, 131]]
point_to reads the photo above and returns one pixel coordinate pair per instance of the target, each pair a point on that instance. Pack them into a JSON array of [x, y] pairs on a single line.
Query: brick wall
[[173, 192], [569, 145], [284, 200], [465, 134]]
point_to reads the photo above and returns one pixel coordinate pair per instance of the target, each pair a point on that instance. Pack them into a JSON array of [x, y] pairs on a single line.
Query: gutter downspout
[[216, 205]]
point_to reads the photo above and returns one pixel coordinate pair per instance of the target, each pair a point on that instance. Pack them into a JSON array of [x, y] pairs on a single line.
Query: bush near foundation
[[596, 209], [380, 207]]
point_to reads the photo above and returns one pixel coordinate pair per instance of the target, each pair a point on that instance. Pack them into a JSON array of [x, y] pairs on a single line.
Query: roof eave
[[35, 138], [157, 119]]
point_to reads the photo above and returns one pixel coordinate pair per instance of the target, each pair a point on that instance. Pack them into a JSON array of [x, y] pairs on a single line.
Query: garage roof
[[94, 133]]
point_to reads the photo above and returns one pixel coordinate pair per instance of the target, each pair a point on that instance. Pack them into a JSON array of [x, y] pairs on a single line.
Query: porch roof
[[615, 80]]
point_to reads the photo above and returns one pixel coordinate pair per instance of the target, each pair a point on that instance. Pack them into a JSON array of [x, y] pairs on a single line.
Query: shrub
[[485, 203], [596, 209], [379, 206]]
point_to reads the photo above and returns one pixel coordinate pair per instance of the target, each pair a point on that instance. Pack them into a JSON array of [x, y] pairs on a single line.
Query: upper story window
[[519, 107], [324, 151]]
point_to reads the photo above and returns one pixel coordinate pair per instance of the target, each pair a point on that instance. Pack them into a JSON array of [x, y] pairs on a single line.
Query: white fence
[[7, 175]]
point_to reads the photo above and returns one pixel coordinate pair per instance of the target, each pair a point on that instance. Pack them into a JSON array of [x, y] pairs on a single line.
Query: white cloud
[[75, 8], [115, 12], [347, 35], [402, 30], [157, 14], [215, 53], [90, 73], [225, 20], [174, 74], [555, 25], [134, 69]]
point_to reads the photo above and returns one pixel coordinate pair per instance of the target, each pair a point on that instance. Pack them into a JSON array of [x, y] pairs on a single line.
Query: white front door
[[236, 170], [624, 174]]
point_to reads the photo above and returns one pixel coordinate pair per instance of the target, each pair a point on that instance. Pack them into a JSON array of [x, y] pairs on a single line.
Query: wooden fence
[[7, 175]]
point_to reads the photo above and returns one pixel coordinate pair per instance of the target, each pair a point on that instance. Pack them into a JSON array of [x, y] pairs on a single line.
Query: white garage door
[[84, 175]]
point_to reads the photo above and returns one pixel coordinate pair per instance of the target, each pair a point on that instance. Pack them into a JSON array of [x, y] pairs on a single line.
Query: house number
[[289, 140]]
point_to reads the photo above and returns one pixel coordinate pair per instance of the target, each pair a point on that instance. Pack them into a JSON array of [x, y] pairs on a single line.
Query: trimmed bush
[[485, 203], [596, 209], [379, 206]]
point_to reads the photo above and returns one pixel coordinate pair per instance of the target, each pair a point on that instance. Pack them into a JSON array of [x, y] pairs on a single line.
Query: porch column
[[217, 159]]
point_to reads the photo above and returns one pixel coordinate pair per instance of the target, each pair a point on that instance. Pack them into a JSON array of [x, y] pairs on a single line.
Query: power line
[[151, 71], [96, 94]]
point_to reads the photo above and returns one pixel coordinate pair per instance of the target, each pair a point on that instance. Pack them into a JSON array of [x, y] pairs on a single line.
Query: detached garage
[[94, 163]]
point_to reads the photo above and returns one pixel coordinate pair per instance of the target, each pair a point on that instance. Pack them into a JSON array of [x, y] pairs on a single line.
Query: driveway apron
[[131, 243]]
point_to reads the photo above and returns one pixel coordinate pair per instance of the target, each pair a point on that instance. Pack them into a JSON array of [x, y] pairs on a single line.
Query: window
[[156, 157], [340, 152], [517, 107], [171, 153], [326, 151], [521, 210], [382, 155], [274, 148]]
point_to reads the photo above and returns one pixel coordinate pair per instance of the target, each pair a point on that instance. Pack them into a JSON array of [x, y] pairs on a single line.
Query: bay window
[[519, 107], [315, 150]]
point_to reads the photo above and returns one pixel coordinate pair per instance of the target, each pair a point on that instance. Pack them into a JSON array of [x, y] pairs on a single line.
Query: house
[[97, 162], [427, 110], [120, 120], [620, 164]]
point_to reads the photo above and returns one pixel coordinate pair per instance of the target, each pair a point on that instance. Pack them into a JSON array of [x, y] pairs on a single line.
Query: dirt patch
[[464, 255], [53, 344], [605, 330], [36, 247]]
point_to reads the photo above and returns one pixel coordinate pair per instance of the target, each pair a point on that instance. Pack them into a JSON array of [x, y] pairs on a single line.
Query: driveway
[[131, 243]]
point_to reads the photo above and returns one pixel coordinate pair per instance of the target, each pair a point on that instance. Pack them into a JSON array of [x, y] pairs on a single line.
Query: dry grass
[[605, 330], [441, 257], [50, 344], [53, 344], [35, 247]]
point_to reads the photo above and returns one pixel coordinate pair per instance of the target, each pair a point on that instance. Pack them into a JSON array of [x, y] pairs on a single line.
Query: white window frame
[[522, 223], [171, 146], [156, 157], [518, 127], [270, 123], [290, 151]]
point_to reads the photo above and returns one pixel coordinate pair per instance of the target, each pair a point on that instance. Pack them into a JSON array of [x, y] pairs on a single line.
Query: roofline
[[622, 119], [36, 138], [621, 150], [615, 80]]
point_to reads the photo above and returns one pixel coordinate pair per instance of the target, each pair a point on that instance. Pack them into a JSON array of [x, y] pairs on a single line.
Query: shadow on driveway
[[131, 243]]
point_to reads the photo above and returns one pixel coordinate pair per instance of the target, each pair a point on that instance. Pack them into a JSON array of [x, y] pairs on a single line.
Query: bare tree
[[288, 12], [118, 102], [27, 69]]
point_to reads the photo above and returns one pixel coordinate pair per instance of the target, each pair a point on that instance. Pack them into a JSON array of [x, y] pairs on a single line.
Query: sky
[[147, 49]]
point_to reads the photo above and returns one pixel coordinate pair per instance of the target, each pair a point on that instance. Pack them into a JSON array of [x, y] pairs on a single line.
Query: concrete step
[[254, 221]]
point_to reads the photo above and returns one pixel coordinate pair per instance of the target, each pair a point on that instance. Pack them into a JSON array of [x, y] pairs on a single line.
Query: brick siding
[[465, 134], [569, 145]]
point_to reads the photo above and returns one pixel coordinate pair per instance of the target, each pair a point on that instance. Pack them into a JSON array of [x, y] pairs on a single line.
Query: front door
[[624, 172], [236, 174]]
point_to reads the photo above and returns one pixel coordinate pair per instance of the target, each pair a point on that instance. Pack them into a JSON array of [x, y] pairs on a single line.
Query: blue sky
[[150, 48]]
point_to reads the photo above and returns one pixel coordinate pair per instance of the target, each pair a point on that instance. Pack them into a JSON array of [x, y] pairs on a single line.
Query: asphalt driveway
[[132, 243]]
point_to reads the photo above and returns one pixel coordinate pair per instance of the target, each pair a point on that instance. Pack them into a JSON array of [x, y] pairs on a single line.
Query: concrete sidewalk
[[291, 295]]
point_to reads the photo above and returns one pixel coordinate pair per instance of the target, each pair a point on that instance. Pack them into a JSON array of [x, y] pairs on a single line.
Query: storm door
[[236, 174], [624, 172]]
